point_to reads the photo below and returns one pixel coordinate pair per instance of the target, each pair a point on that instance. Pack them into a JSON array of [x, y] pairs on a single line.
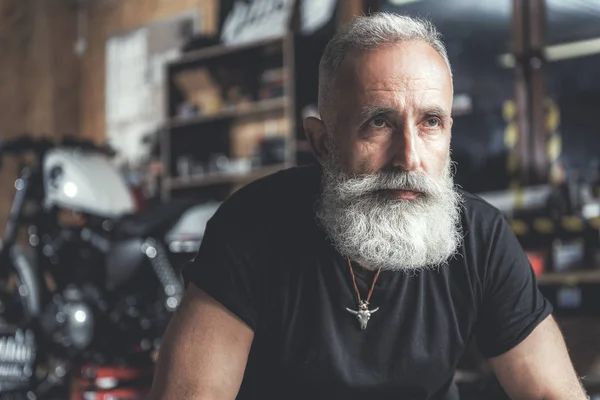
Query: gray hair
[[370, 32]]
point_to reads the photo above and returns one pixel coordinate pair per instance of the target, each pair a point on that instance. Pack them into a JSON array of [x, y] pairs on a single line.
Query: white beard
[[378, 231]]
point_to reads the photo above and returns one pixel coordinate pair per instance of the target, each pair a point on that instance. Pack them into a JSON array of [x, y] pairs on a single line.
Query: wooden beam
[[348, 10], [537, 65], [518, 40]]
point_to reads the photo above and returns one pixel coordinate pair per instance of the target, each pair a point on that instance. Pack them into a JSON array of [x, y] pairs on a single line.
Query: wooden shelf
[[223, 50], [217, 178], [569, 278], [258, 107]]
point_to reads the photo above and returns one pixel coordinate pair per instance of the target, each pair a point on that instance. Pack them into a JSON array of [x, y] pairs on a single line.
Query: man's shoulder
[[475, 205], [277, 196], [479, 215]]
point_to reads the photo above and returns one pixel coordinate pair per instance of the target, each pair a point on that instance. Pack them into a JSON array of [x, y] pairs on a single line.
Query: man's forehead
[[394, 85], [401, 67]]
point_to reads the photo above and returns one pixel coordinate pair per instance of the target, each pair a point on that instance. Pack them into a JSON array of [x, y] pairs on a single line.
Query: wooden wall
[[39, 76], [38, 68], [108, 17]]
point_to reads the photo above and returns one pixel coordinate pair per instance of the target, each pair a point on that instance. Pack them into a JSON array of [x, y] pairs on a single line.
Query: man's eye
[[433, 122], [378, 123]]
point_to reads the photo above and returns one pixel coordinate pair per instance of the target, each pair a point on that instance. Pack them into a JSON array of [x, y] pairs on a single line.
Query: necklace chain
[[362, 303]]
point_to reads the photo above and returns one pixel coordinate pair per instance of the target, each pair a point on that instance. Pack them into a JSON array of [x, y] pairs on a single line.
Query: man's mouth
[[402, 194]]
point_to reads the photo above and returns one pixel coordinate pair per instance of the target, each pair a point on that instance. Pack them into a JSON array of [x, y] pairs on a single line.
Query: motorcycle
[[95, 282]]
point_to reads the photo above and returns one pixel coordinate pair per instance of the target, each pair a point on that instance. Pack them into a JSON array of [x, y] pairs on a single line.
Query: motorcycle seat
[[156, 220]]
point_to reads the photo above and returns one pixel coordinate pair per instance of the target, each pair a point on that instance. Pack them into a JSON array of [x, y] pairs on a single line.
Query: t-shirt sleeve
[[512, 304], [223, 268]]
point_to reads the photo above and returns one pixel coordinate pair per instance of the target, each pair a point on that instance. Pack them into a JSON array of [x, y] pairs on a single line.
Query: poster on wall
[[135, 65], [244, 21]]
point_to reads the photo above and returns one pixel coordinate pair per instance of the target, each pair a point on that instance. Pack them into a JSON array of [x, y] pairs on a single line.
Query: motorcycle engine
[[17, 358], [103, 289], [70, 319]]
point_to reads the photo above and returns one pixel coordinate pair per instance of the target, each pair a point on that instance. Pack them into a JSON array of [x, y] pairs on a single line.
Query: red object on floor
[[111, 382]]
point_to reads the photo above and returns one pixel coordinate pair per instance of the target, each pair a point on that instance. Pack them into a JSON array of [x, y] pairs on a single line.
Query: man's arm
[[204, 352], [539, 368]]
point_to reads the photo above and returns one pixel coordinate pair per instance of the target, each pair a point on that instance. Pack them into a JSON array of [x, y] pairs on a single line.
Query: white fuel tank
[[85, 182]]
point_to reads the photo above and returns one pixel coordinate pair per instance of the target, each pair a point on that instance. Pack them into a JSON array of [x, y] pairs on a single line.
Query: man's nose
[[406, 154]]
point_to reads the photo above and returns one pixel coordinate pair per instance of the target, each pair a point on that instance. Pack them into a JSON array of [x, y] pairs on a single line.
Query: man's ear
[[316, 133]]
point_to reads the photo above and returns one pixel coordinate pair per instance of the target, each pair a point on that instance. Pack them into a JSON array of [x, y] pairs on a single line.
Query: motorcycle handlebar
[[24, 144], [39, 146]]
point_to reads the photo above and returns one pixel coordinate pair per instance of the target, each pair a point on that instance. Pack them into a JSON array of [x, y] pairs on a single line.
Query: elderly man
[[366, 277]]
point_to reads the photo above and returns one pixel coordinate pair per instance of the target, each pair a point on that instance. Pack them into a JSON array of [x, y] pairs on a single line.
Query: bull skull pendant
[[363, 314]]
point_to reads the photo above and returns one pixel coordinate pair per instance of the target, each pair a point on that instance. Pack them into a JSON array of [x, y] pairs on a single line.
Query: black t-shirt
[[265, 258]]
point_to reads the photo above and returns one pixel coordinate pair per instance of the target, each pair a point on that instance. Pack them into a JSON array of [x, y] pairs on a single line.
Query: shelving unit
[[221, 50], [231, 109], [264, 89], [262, 106], [569, 278], [562, 248]]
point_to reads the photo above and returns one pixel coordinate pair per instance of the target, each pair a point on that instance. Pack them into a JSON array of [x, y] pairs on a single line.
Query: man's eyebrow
[[435, 111], [371, 111]]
